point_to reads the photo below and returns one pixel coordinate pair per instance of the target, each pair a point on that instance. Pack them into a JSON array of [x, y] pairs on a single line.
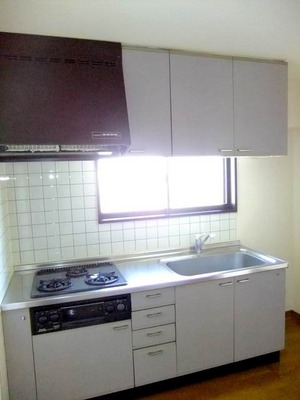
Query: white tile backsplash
[[53, 216]]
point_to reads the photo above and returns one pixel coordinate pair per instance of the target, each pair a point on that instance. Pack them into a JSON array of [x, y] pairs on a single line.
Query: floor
[[277, 380]]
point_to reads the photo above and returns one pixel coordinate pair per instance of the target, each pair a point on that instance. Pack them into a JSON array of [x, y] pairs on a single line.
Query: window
[[144, 187]]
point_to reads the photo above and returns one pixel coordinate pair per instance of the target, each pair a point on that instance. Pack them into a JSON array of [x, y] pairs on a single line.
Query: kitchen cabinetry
[[146, 75], [204, 324], [218, 322], [186, 105], [202, 109], [19, 354], [153, 324], [260, 107], [100, 356]]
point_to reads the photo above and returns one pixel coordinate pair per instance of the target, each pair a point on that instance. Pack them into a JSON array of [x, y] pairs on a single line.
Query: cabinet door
[[82, 363], [147, 86], [260, 108], [19, 354], [204, 325], [259, 314], [202, 105]]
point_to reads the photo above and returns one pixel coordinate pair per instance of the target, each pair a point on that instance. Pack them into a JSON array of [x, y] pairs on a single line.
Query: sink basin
[[203, 264]]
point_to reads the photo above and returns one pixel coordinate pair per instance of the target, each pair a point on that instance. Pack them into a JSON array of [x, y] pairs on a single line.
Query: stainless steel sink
[[203, 264]]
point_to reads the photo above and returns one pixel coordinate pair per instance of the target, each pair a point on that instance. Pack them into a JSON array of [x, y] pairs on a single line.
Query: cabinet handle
[[154, 315], [243, 280], [225, 150], [244, 150], [23, 318], [155, 353], [152, 296], [152, 334], [225, 284], [121, 327], [137, 151]]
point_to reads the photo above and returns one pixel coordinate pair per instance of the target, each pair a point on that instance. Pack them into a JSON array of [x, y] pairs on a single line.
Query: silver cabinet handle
[[152, 296], [244, 150], [225, 150], [154, 315], [121, 327], [155, 353], [243, 280], [152, 334], [226, 284], [137, 151]]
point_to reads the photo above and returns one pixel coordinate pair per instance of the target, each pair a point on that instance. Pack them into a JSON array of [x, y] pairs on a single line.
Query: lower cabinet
[[213, 323], [85, 362], [153, 336], [204, 324], [259, 314], [222, 321], [155, 363]]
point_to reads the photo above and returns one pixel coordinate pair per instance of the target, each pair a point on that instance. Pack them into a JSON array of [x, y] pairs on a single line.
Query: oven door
[[85, 362]]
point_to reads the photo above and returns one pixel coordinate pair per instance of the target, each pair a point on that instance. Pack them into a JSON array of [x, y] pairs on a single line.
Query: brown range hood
[[61, 98]]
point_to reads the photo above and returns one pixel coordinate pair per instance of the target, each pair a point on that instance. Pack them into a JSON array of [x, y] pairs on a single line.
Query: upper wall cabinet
[[147, 86], [202, 109], [187, 105], [260, 108]]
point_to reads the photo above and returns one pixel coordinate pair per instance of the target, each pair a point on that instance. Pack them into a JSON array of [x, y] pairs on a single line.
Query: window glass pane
[[196, 182], [145, 187], [132, 184]]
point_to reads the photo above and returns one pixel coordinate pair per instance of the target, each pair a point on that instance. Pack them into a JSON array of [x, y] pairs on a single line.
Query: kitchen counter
[[142, 272]]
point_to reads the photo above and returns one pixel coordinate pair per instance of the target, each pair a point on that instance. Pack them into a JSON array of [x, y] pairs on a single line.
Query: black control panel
[[77, 314]]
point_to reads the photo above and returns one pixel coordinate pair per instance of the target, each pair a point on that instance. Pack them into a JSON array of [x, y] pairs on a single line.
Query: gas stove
[[76, 278]]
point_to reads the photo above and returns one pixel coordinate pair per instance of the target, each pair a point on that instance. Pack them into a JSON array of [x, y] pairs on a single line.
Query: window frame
[[230, 189]]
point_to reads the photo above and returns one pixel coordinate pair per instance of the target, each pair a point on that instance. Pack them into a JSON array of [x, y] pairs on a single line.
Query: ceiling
[[252, 28]]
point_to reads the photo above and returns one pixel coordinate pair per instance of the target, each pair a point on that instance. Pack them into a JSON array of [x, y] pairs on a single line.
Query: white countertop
[[141, 273]]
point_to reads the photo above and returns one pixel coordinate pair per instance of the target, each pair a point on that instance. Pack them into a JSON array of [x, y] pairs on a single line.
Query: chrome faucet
[[200, 240]]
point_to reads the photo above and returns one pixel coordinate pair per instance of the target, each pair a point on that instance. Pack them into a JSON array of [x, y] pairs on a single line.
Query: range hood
[[61, 97]]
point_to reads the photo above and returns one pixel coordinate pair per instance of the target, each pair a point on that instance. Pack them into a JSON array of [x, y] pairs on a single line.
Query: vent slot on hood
[[61, 95]]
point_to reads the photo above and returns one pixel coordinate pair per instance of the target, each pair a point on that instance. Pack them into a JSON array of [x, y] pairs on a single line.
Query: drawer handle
[[244, 150], [152, 334], [243, 280], [225, 284], [137, 151], [155, 353], [154, 315], [121, 327], [152, 296], [225, 150]]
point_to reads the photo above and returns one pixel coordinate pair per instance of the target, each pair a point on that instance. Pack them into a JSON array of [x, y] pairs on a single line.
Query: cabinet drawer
[[153, 336], [153, 298], [154, 363], [153, 317]]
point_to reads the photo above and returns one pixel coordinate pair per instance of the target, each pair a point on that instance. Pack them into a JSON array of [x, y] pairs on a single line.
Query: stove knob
[[121, 307], [110, 308], [54, 317], [42, 319]]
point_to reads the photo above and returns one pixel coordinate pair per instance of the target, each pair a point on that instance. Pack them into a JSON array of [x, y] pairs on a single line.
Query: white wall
[[294, 122], [265, 209]]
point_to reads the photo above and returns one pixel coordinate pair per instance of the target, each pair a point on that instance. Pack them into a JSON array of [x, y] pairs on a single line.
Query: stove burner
[[101, 278], [54, 285], [76, 271]]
